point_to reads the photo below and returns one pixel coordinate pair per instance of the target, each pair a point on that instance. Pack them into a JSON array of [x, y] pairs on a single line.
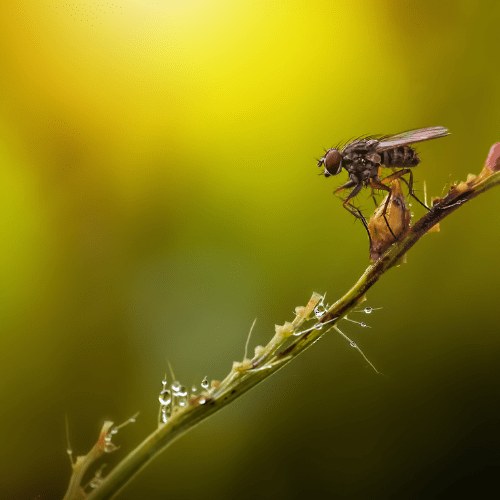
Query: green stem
[[243, 377]]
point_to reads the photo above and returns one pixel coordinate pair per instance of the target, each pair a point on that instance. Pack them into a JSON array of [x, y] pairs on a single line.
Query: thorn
[[69, 450], [353, 344], [248, 339], [171, 371]]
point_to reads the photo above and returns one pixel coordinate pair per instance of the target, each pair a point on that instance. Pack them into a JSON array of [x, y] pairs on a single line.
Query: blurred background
[[159, 191]]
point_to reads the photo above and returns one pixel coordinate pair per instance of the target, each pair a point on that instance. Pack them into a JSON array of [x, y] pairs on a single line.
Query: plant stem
[[249, 373]]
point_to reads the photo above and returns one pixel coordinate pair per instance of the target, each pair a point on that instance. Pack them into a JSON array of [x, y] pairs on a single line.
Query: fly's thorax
[[360, 156], [361, 168]]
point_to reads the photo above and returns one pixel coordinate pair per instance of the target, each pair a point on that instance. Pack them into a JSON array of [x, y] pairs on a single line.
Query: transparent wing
[[410, 137]]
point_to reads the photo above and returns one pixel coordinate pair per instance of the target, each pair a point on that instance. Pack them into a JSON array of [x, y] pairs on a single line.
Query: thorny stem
[[268, 360]]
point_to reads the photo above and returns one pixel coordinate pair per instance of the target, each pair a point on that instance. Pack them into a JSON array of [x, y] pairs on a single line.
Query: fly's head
[[332, 162]]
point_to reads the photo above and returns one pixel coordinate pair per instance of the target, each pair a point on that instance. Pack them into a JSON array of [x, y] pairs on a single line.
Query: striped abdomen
[[400, 157]]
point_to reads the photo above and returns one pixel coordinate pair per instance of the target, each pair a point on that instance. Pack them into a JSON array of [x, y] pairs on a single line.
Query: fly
[[362, 159]]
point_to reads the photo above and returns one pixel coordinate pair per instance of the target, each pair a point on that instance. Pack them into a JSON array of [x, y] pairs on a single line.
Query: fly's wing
[[410, 137]]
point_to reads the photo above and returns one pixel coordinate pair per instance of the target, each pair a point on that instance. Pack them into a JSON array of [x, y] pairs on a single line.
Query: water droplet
[[353, 344], [131, 419], [204, 383], [194, 389], [165, 397], [107, 438], [368, 310], [318, 326], [203, 400], [183, 392], [363, 324], [164, 383], [176, 386], [114, 431], [318, 312], [69, 451], [182, 402], [412, 214]]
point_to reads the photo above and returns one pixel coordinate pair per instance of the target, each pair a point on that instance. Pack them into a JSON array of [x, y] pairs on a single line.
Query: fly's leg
[[399, 175], [347, 185], [350, 207]]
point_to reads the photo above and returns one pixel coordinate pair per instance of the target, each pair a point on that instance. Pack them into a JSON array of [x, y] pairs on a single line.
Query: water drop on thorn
[[165, 397], [318, 312]]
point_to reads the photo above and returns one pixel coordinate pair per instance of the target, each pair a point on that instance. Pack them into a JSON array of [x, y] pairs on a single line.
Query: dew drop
[[109, 448], [318, 312], [319, 326], [204, 383], [165, 397], [176, 386], [182, 402], [107, 438], [114, 431], [353, 344], [368, 310], [69, 451], [131, 420], [194, 389], [363, 324], [182, 392], [202, 400]]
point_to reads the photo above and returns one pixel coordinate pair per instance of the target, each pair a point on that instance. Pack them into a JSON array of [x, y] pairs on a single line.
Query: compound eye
[[333, 162]]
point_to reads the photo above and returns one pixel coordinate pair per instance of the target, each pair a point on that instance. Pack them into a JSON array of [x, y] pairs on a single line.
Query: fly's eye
[[333, 162]]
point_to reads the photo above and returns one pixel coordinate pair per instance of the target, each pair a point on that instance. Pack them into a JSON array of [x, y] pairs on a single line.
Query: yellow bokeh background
[[159, 191]]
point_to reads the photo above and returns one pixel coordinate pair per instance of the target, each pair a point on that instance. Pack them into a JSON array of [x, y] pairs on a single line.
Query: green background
[[159, 191]]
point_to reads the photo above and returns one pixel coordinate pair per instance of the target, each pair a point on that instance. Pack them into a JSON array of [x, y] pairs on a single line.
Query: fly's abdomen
[[400, 157]]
